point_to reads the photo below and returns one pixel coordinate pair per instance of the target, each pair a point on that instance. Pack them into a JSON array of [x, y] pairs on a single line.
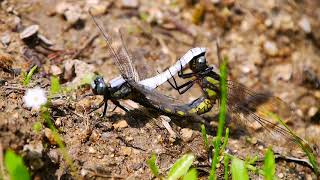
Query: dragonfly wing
[[260, 114], [120, 54]]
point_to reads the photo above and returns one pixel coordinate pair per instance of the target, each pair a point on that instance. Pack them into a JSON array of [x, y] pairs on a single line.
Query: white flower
[[34, 98]]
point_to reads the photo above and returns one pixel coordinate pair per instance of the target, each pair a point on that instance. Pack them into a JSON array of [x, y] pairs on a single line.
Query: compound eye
[[202, 60], [98, 86]]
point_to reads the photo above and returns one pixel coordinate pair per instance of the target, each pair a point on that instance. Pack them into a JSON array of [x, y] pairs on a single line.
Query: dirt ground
[[271, 45]]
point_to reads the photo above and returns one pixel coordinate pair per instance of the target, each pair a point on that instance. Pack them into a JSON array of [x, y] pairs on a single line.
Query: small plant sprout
[[34, 98]]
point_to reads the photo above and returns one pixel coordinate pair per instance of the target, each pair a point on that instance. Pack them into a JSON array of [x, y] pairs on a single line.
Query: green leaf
[[191, 175], [239, 170], [269, 167], [204, 136], [153, 165], [181, 167], [55, 85], [15, 166], [27, 78]]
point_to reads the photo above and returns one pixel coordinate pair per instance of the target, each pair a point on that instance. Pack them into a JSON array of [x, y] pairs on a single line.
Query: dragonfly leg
[[187, 75], [209, 69], [105, 109], [97, 107], [119, 105], [179, 88]]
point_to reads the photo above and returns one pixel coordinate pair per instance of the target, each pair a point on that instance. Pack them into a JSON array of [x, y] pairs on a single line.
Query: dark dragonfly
[[122, 87], [245, 106]]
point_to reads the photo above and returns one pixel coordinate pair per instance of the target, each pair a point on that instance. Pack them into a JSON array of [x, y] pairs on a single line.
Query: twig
[[94, 173], [14, 88]]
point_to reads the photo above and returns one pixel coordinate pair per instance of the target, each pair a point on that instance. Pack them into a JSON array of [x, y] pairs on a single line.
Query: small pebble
[[129, 3], [268, 22], [84, 172], [30, 31], [45, 40], [95, 136], [55, 70], [120, 124], [62, 7], [53, 155], [186, 134], [312, 111], [48, 134], [304, 24], [282, 72], [127, 151], [58, 122], [5, 40], [270, 48], [91, 150], [280, 175], [72, 15]]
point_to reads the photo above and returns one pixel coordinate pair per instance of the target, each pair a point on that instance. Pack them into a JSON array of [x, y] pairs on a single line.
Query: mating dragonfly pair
[[244, 106]]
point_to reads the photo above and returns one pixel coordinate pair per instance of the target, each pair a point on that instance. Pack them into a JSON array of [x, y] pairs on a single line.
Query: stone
[[186, 134], [129, 3], [120, 124], [126, 151], [55, 70], [312, 111], [282, 72], [49, 135], [45, 40], [304, 24], [29, 32], [270, 48], [6, 39], [91, 150]]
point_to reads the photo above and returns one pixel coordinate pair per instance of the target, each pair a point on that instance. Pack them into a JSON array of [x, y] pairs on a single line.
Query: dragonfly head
[[98, 86], [199, 63]]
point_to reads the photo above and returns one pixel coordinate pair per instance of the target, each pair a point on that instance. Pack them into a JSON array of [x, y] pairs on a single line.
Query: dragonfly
[[245, 106], [119, 88]]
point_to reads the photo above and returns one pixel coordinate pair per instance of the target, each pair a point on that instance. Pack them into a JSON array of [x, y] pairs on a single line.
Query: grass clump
[[153, 165], [269, 167], [27, 76], [180, 169]]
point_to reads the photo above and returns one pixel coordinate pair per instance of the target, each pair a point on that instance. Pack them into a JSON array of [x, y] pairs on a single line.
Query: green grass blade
[[153, 164], [27, 78], [15, 166], [226, 167], [191, 175], [302, 143], [239, 170], [225, 140], [180, 167], [55, 85], [222, 116], [269, 167], [204, 136]]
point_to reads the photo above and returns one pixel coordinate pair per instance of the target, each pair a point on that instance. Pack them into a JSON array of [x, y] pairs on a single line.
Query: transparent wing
[[119, 53], [259, 113]]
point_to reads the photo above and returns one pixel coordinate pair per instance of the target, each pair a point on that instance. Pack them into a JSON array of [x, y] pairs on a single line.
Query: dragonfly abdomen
[[198, 106]]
